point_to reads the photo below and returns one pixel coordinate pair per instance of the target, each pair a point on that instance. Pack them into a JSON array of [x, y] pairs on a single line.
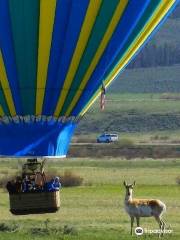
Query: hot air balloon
[[54, 57]]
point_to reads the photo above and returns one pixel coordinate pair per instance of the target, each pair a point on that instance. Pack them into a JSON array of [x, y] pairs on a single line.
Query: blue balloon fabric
[[36, 138]]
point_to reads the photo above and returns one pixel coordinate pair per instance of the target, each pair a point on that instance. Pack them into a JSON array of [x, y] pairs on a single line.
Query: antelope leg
[[132, 221], [138, 221], [159, 223]]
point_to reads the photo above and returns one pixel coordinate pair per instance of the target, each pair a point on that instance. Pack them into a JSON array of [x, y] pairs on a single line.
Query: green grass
[[95, 210], [132, 113], [145, 103], [136, 103]]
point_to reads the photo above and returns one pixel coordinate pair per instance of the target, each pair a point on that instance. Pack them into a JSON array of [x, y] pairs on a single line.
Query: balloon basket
[[34, 203]]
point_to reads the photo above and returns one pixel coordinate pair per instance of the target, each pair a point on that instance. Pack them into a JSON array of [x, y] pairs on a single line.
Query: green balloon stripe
[[25, 30], [99, 29]]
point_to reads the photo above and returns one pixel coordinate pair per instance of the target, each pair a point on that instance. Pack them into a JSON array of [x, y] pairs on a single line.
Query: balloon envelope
[[54, 57]]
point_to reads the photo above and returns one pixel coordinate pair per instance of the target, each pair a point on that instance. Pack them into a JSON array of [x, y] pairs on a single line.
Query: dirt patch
[[135, 151]]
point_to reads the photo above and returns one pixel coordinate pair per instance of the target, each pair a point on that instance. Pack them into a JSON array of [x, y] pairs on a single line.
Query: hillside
[[148, 80], [130, 113], [163, 49]]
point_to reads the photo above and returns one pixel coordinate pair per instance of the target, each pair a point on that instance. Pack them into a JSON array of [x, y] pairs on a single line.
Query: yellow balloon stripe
[[156, 18], [86, 29], [107, 36], [47, 15], [1, 111], [6, 88]]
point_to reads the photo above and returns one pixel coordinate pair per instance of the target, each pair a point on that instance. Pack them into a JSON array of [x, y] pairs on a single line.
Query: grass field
[[140, 103], [95, 209], [133, 113]]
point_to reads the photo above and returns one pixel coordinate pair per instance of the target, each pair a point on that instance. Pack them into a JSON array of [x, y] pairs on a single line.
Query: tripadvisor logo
[[139, 231]]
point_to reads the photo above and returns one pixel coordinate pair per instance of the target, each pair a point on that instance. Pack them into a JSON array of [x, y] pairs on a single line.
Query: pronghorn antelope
[[137, 208]]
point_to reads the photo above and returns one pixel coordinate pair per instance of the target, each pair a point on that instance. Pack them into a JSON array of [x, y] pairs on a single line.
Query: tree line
[[153, 56]]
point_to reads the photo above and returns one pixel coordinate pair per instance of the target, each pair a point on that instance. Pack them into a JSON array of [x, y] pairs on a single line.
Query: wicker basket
[[33, 203]]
